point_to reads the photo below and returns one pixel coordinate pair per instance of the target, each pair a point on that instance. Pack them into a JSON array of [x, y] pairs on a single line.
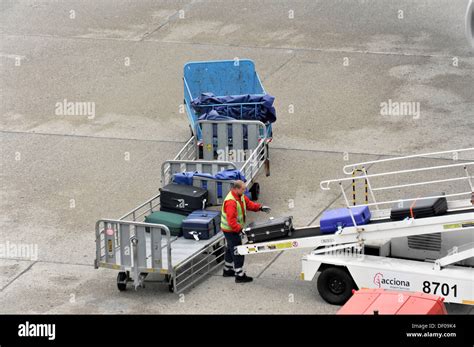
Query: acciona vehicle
[[429, 254]]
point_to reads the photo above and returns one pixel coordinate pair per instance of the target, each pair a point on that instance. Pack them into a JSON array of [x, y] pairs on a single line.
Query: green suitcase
[[172, 220]]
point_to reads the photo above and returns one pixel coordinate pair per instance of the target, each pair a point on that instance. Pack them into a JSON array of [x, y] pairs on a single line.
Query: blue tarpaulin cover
[[186, 178], [264, 112]]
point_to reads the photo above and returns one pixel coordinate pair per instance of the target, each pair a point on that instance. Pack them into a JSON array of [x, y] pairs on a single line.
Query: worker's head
[[239, 187]]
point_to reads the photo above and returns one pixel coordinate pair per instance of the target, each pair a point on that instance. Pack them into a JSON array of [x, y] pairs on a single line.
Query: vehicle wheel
[[335, 285], [255, 191], [122, 281]]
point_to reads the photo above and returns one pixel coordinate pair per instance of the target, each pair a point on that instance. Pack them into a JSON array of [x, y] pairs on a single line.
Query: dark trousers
[[233, 240]]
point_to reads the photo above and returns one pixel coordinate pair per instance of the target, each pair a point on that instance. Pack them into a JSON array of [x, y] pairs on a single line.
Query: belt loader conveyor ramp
[[334, 255]]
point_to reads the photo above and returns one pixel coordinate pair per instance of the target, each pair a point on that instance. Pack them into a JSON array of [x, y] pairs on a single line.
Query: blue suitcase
[[331, 220], [201, 225]]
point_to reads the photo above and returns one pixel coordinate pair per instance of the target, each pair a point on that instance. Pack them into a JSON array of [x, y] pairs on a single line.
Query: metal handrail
[[350, 167], [139, 207], [245, 122], [257, 155], [188, 152], [190, 258], [410, 199], [211, 254], [325, 184], [423, 183], [190, 144]]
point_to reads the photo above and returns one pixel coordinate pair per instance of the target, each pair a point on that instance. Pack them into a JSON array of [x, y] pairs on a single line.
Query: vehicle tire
[[121, 277], [255, 191], [335, 285]]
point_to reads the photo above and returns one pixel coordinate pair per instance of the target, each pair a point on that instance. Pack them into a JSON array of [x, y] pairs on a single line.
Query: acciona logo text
[[380, 281]]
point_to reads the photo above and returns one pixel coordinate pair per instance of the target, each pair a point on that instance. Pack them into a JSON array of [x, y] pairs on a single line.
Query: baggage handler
[[234, 211]]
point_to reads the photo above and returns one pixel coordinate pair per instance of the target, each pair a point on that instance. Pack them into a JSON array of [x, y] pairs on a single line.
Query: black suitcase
[[182, 199], [271, 229], [421, 208]]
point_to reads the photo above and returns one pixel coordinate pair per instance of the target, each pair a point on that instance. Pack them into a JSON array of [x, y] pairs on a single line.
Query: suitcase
[[420, 208], [201, 225], [172, 220], [182, 199], [270, 229], [332, 220]]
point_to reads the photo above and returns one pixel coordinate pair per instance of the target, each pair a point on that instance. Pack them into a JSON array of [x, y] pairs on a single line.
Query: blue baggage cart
[[222, 78]]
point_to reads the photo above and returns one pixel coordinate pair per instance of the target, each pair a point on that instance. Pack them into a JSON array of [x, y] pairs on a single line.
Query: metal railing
[[194, 267], [122, 245], [230, 137], [188, 152], [325, 185], [255, 161], [241, 132], [350, 167], [148, 206]]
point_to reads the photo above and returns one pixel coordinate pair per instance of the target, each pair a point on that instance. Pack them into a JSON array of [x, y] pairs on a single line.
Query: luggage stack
[[420, 208], [183, 211], [271, 229]]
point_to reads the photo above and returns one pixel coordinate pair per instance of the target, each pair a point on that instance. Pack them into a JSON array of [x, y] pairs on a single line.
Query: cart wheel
[[201, 152], [170, 285], [255, 191], [122, 281], [335, 285], [219, 253]]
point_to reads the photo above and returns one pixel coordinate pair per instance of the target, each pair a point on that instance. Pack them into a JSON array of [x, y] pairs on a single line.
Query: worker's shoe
[[228, 273], [243, 279]]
